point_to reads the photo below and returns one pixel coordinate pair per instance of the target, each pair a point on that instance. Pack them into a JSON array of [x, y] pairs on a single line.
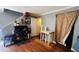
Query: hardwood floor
[[33, 45]]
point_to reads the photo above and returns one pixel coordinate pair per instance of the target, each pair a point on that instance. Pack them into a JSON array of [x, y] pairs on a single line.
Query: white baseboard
[[73, 49]]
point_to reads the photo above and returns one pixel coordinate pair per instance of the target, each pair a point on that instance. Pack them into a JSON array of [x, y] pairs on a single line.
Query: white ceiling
[[38, 9], [41, 10]]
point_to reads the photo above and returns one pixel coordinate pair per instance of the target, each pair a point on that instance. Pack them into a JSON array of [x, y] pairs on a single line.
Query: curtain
[[59, 23], [64, 24]]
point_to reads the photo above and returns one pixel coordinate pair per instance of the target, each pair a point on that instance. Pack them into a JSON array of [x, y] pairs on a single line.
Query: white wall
[[49, 21], [6, 19], [76, 32], [0, 34]]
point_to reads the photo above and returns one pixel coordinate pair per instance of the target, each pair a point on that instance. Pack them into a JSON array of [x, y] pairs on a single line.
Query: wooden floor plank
[[33, 45]]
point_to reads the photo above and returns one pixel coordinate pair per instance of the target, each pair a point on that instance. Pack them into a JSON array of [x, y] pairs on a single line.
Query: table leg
[[45, 38], [49, 39]]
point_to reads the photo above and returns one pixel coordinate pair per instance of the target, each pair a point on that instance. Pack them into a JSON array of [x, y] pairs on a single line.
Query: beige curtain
[[64, 24], [59, 23]]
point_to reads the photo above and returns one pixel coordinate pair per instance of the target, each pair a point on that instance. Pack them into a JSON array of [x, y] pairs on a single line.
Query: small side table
[[47, 36]]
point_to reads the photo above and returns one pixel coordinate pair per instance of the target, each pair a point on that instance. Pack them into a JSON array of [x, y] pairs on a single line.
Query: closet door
[[35, 26]]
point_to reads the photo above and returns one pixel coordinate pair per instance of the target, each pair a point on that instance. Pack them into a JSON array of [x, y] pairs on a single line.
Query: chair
[[42, 36], [8, 40], [46, 35]]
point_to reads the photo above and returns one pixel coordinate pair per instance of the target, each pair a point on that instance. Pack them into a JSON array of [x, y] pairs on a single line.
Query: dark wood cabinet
[[21, 33]]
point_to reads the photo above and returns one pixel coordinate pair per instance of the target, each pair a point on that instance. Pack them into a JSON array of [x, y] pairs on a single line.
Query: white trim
[[73, 49], [58, 10]]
